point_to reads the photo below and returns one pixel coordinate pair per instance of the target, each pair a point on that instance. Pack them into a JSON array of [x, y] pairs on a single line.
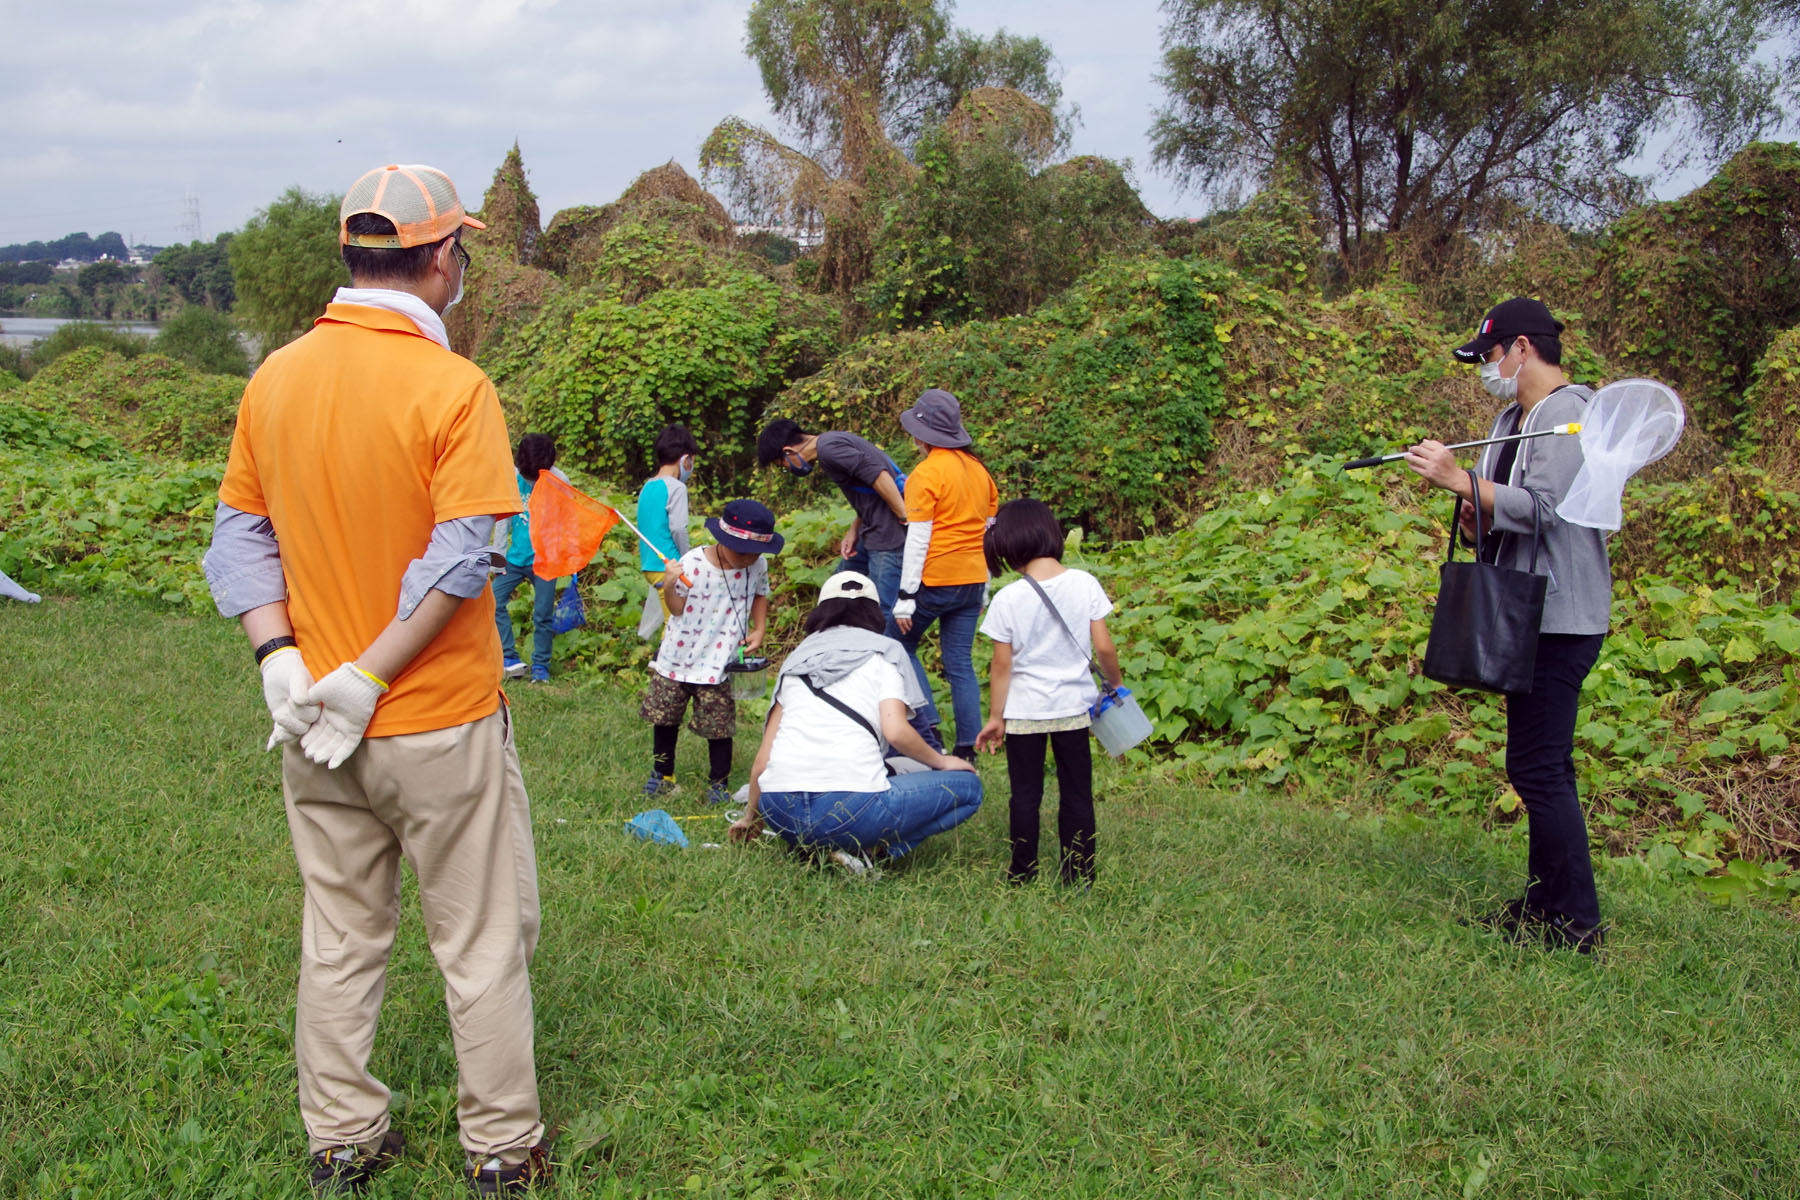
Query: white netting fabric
[[1629, 425]]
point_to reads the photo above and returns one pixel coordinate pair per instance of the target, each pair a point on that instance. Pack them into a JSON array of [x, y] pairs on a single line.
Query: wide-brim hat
[[936, 419], [747, 527], [420, 201], [1506, 321], [849, 585]]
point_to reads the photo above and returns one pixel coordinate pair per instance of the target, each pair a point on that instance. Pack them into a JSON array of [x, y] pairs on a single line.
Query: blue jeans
[[914, 807], [957, 610], [883, 567], [543, 606]]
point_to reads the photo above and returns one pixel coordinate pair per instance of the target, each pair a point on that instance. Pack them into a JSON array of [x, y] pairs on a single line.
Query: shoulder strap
[[1058, 618], [832, 700]]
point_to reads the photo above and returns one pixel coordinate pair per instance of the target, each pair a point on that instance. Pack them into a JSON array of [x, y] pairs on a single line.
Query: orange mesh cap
[[420, 201]]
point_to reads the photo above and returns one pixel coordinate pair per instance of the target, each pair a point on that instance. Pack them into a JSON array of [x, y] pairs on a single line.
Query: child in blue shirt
[[537, 452], [662, 514]]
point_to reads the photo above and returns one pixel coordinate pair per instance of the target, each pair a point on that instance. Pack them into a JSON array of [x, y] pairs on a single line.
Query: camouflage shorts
[[715, 712]]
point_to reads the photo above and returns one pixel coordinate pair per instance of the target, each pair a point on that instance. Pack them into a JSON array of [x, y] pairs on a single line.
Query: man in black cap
[[1518, 485], [873, 545]]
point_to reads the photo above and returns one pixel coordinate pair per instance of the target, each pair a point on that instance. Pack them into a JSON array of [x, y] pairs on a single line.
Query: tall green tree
[[285, 266], [857, 82], [200, 272], [1435, 118]]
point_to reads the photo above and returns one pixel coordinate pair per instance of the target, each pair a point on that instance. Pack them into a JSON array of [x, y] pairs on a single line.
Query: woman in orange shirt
[[950, 500]]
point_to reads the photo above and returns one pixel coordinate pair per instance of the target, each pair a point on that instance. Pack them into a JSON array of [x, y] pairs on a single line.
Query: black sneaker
[[966, 753], [347, 1170], [1507, 919], [1559, 933], [495, 1180]]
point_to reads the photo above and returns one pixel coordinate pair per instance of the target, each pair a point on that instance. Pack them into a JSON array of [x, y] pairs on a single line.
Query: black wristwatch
[[271, 646]]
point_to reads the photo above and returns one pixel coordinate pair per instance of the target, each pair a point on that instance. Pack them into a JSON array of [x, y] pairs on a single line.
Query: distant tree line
[[78, 246]]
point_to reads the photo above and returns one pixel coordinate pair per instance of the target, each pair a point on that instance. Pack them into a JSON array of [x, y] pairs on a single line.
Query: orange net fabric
[[567, 526]]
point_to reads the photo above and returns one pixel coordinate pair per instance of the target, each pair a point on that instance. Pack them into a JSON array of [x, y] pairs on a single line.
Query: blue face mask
[[687, 467], [801, 471]]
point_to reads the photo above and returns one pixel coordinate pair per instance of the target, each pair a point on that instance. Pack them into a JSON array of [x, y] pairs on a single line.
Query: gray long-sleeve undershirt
[[243, 564]]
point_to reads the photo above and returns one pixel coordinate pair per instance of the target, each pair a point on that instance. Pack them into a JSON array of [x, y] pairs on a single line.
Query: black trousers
[[1540, 763], [1075, 801]]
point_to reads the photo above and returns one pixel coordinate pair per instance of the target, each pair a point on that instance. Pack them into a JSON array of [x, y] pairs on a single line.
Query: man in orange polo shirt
[[367, 470], [950, 501]]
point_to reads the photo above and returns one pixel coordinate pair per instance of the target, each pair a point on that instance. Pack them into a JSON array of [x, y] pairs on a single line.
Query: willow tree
[[285, 266], [1437, 119], [855, 83]]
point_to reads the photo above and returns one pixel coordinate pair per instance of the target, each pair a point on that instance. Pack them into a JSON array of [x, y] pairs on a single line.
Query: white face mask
[[1499, 386], [456, 299]]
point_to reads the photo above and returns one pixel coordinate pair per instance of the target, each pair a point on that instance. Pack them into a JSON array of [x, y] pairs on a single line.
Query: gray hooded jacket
[[831, 654], [1579, 596]]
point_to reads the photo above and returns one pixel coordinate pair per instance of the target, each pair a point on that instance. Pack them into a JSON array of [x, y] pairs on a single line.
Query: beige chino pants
[[453, 802]]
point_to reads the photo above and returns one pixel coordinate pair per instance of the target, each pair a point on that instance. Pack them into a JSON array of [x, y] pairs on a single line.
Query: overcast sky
[[115, 112]]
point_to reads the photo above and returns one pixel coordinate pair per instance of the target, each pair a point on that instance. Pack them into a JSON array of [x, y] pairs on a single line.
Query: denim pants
[[1540, 764], [957, 612], [883, 568], [543, 607], [914, 807]]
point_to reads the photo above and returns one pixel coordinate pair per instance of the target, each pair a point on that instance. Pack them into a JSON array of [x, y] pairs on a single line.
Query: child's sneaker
[[660, 785], [718, 793], [514, 668], [540, 674]]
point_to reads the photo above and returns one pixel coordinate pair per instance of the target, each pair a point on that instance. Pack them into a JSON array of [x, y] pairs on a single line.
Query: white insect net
[[1629, 425]]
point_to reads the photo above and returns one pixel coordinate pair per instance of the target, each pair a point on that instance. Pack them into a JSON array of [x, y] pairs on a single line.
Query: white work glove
[[286, 681], [904, 609], [347, 697]]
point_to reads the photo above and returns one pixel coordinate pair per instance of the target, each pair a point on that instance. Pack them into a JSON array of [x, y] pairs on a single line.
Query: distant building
[[805, 238]]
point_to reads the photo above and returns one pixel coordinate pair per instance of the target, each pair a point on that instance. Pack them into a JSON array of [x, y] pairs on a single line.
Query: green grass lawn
[[1262, 997]]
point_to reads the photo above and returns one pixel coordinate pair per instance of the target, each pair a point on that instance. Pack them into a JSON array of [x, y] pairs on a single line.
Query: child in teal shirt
[[662, 514]]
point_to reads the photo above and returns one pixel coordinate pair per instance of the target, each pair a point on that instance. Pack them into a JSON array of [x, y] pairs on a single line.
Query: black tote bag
[[1484, 632]]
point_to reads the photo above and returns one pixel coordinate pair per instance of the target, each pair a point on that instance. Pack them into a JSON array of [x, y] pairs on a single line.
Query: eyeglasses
[[461, 254]]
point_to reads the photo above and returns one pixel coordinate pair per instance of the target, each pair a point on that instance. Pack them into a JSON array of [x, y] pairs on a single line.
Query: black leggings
[[1075, 802], [662, 753]]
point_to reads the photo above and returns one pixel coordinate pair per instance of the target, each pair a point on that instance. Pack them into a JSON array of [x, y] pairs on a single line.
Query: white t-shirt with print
[[1050, 678], [818, 748], [697, 644]]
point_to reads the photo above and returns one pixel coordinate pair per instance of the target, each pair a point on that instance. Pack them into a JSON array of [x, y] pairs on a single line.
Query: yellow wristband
[[374, 679]]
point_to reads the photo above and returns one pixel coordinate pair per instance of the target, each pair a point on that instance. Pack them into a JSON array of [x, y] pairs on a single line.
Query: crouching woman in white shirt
[[841, 700]]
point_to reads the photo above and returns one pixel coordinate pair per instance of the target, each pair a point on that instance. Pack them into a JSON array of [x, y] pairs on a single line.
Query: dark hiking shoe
[[966, 753], [1507, 919], [1559, 933], [347, 1170], [492, 1179]]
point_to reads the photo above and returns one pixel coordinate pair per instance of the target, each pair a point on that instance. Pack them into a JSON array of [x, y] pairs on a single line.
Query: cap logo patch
[[1487, 326]]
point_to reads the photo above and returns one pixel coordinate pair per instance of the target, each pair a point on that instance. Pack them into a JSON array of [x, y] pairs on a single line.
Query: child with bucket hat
[[718, 602]]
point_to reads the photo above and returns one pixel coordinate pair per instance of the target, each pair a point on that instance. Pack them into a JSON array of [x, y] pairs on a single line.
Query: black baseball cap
[[1506, 321]]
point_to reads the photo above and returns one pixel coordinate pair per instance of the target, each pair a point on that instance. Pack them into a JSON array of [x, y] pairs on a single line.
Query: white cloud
[[240, 99], [53, 162]]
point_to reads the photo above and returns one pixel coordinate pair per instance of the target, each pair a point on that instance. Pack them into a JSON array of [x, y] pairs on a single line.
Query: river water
[[22, 331]]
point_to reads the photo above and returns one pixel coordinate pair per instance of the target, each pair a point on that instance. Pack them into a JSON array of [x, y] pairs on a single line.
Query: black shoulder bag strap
[[1481, 532], [832, 700], [1064, 626]]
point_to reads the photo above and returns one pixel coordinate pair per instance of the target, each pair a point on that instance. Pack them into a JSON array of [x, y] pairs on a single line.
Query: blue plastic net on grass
[[657, 826]]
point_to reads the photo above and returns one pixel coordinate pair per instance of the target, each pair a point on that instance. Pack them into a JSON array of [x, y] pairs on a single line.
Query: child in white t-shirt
[[718, 601], [1040, 686]]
